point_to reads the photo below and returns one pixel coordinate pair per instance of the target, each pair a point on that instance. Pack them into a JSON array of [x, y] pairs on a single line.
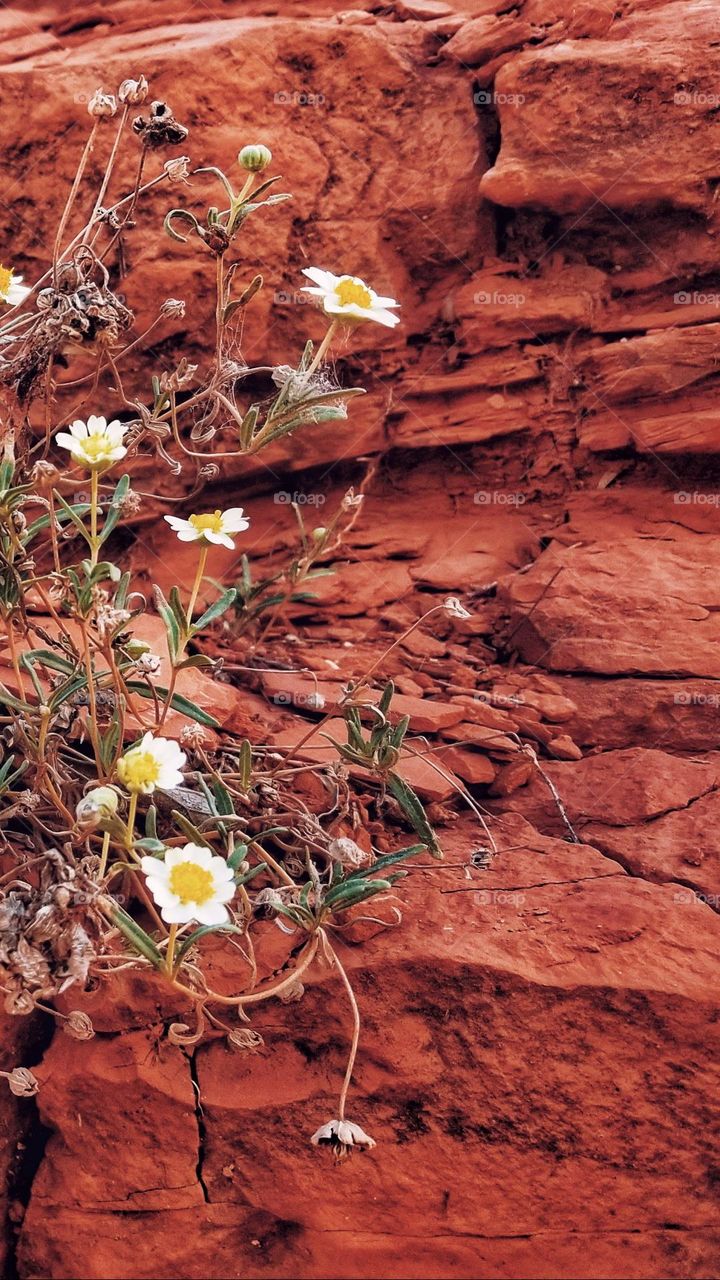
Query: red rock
[[472, 766], [563, 748]]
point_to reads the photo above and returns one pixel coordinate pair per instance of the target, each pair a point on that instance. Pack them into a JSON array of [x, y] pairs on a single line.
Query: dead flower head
[[78, 1026], [102, 104], [159, 128], [343, 1137], [21, 1082], [133, 92]]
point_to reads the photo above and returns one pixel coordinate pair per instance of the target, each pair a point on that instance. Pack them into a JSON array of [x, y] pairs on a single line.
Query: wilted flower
[[160, 128], [78, 1026], [349, 299], [456, 610], [214, 527], [154, 762], [21, 1082], [173, 307], [12, 289], [95, 444], [177, 169], [255, 158], [190, 883], [343, 1138], [102, 104], [133, 91], [147, 664], [97, 806]]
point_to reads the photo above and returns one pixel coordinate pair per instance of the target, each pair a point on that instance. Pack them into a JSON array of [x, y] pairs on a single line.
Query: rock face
[[539, 1059]]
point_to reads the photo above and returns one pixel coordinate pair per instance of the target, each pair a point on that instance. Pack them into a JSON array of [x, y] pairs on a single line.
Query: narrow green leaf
[[137, 936], [215, 610], [115, 509], [411, 806], [178, 703]]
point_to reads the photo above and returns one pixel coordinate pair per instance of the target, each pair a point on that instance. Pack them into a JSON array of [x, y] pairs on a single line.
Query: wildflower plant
[[122, 847]]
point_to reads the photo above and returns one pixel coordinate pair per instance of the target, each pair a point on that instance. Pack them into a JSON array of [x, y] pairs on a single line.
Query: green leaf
[[141, 941], [42, 522], [189, 829], [388, 860], [347, 894], [198, 660], [245, 762], [201, 933], [72, 514], [115, 509], [215, 610], [51, 660], [171, 626], [247, 426], [387, 697], [110, 740], [178, 703], [411, 806]]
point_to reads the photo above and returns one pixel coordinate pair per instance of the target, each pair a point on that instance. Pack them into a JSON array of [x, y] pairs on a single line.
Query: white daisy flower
[[213, 527], [154, 762], [12, 289], [349, 298], [95, 444], [190, 883]]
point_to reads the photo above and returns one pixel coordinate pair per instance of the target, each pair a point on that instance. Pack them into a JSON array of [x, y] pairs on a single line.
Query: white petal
[[116, 431], [65, 441], [233, 516], [219, 539], [176, 522], [316, 293], [225, 892], [189, 535], [384, 317], [220, 869], [183, 913], [78, 429], [152, 866], [384, 302], [210, 913], [96, 426], [325, 279]]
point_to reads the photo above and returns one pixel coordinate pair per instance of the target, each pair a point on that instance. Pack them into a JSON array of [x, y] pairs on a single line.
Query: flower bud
[[102, 104], [133, 91], [173, 307], [177, 169], [319, 533], [136, 648], [97, 806], [255, 158]]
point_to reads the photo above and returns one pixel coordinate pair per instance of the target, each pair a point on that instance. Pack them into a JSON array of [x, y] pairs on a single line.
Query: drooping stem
[[356, 1026]]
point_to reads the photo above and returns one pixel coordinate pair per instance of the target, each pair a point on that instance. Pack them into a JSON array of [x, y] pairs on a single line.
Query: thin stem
[[92, 698], [257, 996], [170, 953], [94, 518], [106, 176], [196, 585], [356, 1026], [322, 349], [104, 855], [74, 190], [132, 811], [219, 307]]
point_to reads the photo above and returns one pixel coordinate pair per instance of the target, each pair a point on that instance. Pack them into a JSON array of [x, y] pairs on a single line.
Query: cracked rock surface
[[539, 1062]]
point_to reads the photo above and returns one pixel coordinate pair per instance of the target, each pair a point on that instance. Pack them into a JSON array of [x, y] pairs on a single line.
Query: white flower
[[349, 298], [12, 289], [214, 527], [154, 762], [190, 883], [343, 1137], [94, 444]]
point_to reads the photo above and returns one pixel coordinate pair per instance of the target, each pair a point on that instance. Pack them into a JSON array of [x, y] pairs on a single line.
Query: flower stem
[[322, 349], [170, 953], [132, 811], [356, 1028], [73, 192], [104, 855], [196, 585], [94, 546]]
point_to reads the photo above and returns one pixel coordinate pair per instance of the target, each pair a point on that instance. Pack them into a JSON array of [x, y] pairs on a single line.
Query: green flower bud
[[255, 158], [98, 806], [136, 648], [319, 533]]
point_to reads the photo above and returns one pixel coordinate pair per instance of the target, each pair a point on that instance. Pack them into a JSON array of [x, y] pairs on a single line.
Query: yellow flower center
[[191, 883], [210, 523], [138, 769], [350, 292], [6, 276], [95, 446]]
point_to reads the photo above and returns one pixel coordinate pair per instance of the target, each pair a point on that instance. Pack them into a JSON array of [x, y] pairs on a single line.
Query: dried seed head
[[453, 606], [131, 503], [193, 735], [22, 1082], [159, 128], [255, 158], [173, 307], [44, 475], [293, 993], [148, 664], [78, 1026], [18, 1004], [245, 1039], [343, 1137], [102, 104], [133, 91], [352, 500], [347, 852], [177, 170]]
